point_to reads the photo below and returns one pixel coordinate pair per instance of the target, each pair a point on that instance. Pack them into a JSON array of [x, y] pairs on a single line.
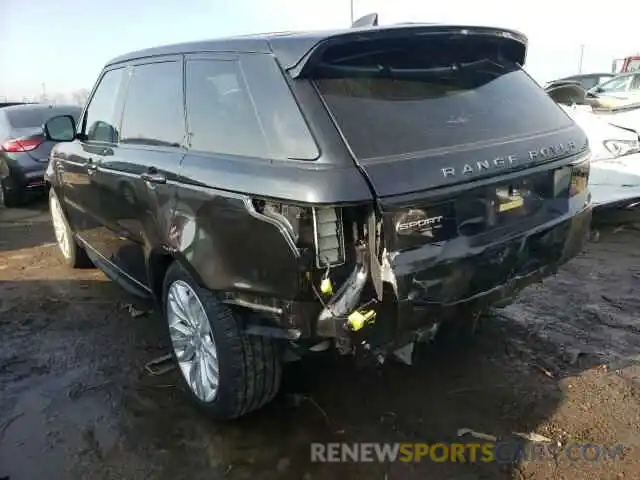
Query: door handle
[[153, 176]]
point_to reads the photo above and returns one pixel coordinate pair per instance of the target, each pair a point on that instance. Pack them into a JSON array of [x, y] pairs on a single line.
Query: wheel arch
[[158, 263]]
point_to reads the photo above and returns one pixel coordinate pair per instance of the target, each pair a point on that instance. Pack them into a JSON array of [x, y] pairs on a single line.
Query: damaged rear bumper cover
[[427, 289]]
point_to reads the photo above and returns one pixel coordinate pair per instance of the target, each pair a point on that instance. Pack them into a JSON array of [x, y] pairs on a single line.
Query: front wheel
[[74, 255], [226, 372]]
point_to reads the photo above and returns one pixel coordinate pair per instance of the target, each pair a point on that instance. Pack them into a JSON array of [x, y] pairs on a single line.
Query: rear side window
[[244, 108], [153, 112], [390, 103], [100, 122], [222, 118]]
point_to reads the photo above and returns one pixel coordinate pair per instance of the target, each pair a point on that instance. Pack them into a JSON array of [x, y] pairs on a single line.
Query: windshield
[[618, 84], [397, 111]]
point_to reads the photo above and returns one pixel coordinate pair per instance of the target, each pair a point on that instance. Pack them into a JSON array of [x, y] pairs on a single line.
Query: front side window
[[153, 113], [100, 120]]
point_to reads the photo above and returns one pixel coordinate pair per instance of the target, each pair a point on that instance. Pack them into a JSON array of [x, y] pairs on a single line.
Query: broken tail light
[[328, 237], [317, 227]]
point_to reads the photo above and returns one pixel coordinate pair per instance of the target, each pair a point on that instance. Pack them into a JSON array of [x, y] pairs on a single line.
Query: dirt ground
[[76, 401]]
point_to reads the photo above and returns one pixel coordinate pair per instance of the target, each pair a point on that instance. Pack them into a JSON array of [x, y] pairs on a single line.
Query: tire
[[460, 331], [249, 368], [10, 197], [73, 254]]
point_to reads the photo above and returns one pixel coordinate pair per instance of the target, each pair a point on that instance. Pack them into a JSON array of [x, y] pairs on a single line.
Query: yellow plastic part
[[356, 320], [326, 287]]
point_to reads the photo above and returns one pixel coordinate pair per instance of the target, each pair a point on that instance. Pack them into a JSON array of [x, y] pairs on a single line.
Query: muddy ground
[[76, 402]]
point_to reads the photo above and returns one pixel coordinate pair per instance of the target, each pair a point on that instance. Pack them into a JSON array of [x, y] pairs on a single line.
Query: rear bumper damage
[[421, 291]]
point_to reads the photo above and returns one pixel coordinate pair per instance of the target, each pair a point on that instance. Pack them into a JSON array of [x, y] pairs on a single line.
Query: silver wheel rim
[[192, 340], [59, 227]]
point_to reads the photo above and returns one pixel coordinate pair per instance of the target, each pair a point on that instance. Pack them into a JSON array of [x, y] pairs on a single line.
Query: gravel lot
[[76, 402]]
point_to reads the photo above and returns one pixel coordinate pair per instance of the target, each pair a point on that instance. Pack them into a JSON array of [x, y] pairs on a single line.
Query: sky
[[65, 43]]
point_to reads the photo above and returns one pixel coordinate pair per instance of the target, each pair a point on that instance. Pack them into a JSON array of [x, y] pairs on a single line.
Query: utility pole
[[351, 10], [581, 58]]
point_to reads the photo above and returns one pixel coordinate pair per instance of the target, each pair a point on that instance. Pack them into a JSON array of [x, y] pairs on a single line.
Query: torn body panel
[[470, 250]]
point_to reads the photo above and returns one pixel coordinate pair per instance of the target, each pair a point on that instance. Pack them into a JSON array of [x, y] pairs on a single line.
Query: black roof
[[291, 47], [11, 104], [38, 106]]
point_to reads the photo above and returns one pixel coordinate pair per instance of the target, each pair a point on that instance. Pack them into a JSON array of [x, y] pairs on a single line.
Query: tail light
[[319, 228], [579, 179], [22, 144]]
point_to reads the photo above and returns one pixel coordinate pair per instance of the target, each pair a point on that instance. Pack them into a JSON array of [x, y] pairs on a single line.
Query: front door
[[139, 172], [79, 168]]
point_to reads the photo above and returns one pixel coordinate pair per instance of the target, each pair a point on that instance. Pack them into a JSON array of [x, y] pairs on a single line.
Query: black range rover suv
[[279, 193]]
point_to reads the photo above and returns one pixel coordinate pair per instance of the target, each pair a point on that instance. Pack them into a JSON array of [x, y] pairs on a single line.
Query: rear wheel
[[226, 372], [74, 255], [10, 197], [461, 330]]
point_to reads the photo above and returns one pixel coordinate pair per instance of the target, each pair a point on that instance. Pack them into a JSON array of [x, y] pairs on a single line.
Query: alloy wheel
[[192, 340], [59, 227]]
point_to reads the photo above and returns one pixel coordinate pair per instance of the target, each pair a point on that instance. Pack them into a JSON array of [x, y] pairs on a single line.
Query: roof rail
[[370, 20]]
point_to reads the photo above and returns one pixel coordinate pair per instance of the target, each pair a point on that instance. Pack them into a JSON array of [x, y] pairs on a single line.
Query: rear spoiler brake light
[[509, 45]]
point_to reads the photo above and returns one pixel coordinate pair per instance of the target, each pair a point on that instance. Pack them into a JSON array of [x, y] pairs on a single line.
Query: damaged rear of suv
[[399, 179]]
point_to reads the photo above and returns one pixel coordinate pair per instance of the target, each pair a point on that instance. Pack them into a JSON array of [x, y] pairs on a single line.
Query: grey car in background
[[24, 150]]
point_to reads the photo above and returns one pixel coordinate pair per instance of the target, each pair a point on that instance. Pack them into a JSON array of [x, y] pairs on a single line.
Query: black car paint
[[198, 208]]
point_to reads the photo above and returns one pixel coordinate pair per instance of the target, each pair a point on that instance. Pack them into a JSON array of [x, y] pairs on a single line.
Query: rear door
[[138, 174]]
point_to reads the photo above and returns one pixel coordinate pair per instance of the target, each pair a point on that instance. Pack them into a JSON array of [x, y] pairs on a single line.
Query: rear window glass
[[36, 117], [384, 111]]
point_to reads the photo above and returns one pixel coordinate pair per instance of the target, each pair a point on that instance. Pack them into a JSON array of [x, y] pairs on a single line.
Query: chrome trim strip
[[86, 244], [254, 306], [283, 230]]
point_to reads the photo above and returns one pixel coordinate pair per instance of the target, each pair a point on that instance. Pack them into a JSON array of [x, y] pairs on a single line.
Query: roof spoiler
[[512, 44], [369, 20]]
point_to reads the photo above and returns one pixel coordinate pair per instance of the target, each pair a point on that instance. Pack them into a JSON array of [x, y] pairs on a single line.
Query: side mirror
[[61, 128]]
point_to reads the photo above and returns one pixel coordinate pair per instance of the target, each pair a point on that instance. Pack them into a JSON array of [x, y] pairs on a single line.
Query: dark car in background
[[24, 150]]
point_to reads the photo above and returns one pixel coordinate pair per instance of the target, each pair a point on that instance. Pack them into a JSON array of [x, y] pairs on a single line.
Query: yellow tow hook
[[358, 319], [326, 287]]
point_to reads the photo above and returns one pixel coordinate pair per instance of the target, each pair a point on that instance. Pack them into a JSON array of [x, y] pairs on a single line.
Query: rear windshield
[[36, 117], [384, 111]]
